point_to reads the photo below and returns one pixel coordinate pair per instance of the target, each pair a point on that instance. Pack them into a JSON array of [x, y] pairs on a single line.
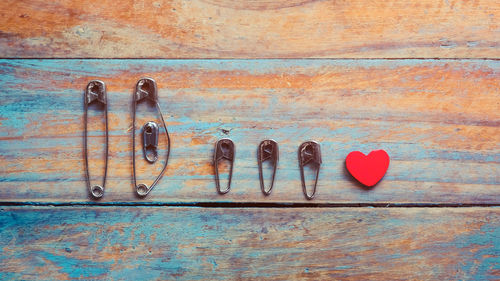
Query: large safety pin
[[95, 92], [224, 150], [309, 153], [146, 89], [268, 151]]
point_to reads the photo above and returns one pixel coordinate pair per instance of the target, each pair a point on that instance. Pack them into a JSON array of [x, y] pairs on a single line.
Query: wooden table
[[420, 79]]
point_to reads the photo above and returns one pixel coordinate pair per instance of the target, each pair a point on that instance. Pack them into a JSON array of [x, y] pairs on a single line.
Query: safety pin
[[309, 153], [146, 89], [95, 92], [150, 132], [224, 150], [268, 150]]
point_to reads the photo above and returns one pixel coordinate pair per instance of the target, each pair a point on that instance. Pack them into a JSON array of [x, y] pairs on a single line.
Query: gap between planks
[[249, 59], [247, 204]]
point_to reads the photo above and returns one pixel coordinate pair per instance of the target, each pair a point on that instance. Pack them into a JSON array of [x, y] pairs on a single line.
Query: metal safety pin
[[268, 151], [224, 150], [309, 153], [95, 92], [146, 89], [150, 133]]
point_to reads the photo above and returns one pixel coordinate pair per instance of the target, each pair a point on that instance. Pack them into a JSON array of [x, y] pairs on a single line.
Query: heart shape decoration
[[368, 169]]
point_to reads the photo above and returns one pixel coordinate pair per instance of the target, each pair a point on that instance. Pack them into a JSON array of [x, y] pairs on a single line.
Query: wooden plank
[[250, 29], [438, 120], [260, 244]]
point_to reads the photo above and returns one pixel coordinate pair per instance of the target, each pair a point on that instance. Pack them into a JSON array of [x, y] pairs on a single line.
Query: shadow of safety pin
[[224, 150], [146, 89], [95, 92], [267, 151], [309, 154]]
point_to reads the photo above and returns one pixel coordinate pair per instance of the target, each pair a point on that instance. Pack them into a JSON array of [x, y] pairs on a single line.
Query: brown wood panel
[[158, 243], [438, 120], [250, 29]]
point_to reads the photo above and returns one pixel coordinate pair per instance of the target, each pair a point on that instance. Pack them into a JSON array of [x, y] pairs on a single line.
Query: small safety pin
[[268, 150], [224, 150], [309, 153], [146, 89], [150, 132], [95, 92]]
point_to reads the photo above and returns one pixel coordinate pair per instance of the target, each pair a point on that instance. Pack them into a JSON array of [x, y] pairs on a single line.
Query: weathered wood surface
[[250, 29], [439, 120], [259, 244]]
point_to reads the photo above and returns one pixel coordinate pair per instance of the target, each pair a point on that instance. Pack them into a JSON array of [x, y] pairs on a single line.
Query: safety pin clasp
[[224, 150], [268, 151], [95, 92], [146, 89], [309, 154]]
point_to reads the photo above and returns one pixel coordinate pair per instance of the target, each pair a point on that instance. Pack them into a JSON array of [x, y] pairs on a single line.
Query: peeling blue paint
[[27, 102]]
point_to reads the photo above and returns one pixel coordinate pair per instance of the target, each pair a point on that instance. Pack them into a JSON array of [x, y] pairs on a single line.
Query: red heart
[[368, 169]]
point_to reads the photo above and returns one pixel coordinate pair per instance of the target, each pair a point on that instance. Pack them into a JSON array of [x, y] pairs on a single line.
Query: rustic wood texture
[[250, 29], [439, 120], [259, 244]]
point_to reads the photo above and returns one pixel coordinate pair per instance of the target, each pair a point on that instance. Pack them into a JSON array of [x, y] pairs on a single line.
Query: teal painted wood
[[65, 243], [438, 119]]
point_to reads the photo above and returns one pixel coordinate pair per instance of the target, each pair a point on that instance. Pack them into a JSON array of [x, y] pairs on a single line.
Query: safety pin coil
[[268, 151], [224, 150], [146, 89], [309, 154], [95, 93]]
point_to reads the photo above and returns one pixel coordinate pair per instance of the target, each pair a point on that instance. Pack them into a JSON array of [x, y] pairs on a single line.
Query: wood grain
[[438, 120], [259, 244], [250, 29]]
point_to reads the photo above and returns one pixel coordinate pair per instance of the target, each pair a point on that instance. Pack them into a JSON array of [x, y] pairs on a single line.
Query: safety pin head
[[150, 132], [268, 151], [146, 89], [96, 91], [309, 154], [224, 150]]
